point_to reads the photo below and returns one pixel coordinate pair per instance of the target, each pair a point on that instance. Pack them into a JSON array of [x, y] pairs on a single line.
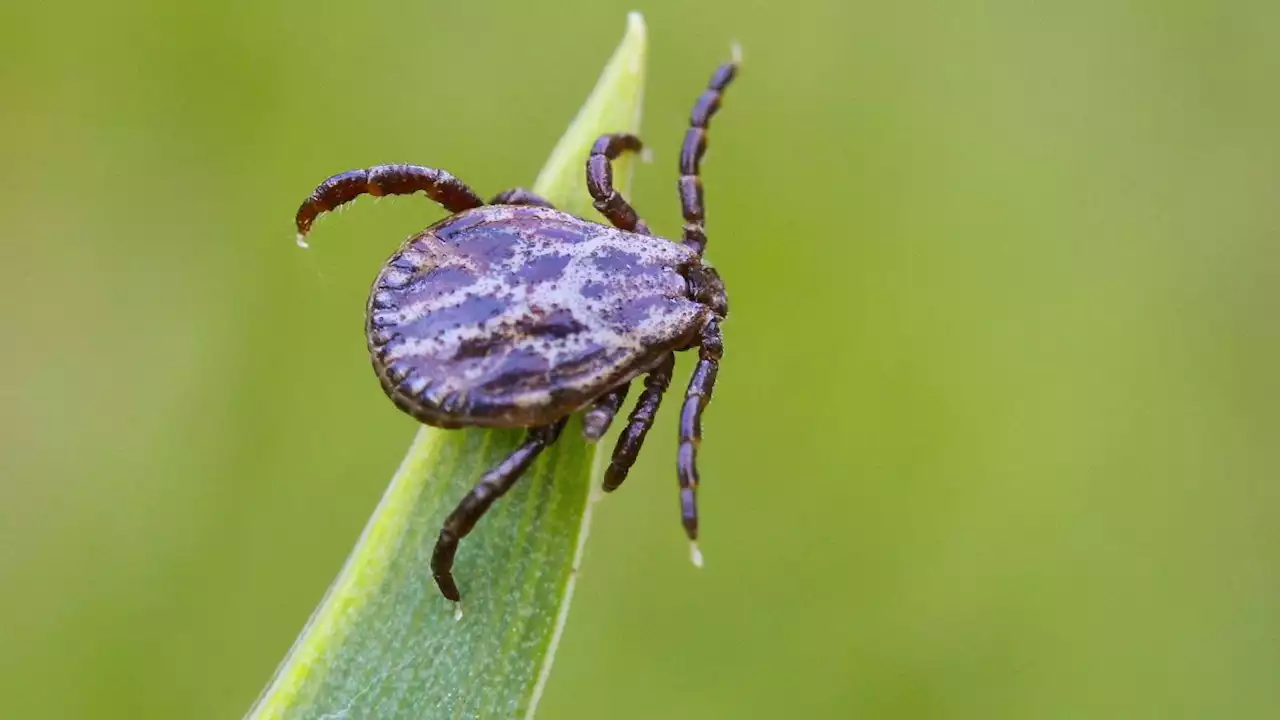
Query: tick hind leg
[[492, 486], [609, 201], [642, 417], [342, 188], [710, 350], [692, 149], [520, 196]]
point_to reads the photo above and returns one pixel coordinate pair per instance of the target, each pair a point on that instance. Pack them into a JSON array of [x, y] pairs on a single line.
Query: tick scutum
[[495, 317]]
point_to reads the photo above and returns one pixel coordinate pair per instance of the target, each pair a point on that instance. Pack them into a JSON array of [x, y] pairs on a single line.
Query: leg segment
[[691, 151], [520, 196], [609, 201], [340, 189], [624, 453], [710, 349], [596, 422], [492, 486]]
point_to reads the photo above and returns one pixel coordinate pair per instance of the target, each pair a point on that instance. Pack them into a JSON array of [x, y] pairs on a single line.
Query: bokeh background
[[998, 429]]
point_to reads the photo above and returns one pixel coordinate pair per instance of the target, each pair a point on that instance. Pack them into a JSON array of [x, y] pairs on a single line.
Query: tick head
[[706, 287]]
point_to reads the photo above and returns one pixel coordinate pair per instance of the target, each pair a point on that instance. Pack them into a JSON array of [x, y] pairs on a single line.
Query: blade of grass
[[383, 642]]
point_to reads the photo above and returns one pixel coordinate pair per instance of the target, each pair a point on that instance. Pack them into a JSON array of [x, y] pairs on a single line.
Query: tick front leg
[[642, 417], [340, 189], [492, 486], [520, 196], [691, 151], [710, 350], [609, 201]]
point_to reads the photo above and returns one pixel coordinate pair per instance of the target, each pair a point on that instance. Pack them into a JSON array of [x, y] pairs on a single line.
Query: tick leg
[[598, 418], [340, 189], [492, 486], [710, 349], [691, 151], [632, 438], [520, 196], [609, 201]]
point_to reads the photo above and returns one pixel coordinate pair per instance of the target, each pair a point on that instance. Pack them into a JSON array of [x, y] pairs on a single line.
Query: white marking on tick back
[[695, 554]]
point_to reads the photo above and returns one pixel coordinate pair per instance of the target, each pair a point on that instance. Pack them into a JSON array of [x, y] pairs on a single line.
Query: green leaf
[[383, 642]]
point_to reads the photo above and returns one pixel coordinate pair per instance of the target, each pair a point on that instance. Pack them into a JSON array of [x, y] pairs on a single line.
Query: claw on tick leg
[[735, 53], [457, 612], [695, 554], [302, 241]]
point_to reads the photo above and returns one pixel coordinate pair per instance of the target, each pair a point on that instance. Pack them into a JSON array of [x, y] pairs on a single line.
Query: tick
[[514, 314]]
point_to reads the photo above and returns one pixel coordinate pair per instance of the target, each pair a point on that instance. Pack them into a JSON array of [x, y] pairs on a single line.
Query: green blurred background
[[997, 429]]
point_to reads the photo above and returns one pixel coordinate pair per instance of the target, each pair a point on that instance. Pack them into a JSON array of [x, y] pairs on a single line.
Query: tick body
[[514, 314]]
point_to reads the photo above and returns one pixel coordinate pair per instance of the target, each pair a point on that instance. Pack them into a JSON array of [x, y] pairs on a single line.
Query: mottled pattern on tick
[[507, 316]]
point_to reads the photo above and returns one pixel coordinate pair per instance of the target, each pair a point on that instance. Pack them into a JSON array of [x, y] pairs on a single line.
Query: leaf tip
[[635, 23], [637, 36]]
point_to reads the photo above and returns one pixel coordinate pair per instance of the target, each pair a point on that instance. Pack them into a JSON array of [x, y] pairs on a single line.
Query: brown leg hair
[[710, 350], [691, 151], [492, 486], [642, 417], [520, 196], [609, 201], [340, 189]]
